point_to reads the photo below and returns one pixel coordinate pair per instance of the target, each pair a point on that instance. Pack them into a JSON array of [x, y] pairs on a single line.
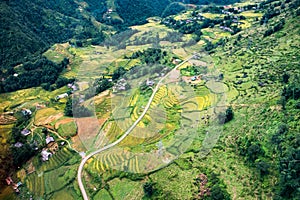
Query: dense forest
[[30, 27], [136, 11], [32, 74]]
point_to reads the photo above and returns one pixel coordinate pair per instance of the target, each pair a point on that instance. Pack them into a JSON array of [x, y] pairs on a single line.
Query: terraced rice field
[[58, 179], [58, 159], [113, 159], [47, 116], [52, 175], [36, 184]]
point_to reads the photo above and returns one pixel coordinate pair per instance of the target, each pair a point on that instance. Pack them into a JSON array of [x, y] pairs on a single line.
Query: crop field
[[183, 16], [53, 175], [67, 193], [159, 124], [27, 97], [212, 15], [102, 194], [68, 129], [58, 52], [115, 158], [153, 27], [47, 116], [36, 184], [58, 178], [58, 159], [126, 189]]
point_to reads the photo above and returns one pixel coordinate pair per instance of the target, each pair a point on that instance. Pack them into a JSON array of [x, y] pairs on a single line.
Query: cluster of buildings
[[120, 85], [65, 95], [14, 185], [50, 149], [107, 14]]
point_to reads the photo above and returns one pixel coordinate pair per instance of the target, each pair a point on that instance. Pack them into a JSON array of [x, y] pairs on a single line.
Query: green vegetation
[[55, 175], [34, 26], [137, 11], [34, 74], [67, 129], [254, 46]]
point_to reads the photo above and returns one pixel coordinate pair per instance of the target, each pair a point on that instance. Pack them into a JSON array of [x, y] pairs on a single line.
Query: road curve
[[84, 160]]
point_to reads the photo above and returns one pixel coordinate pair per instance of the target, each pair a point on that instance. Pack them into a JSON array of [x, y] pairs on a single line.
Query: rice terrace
[[162, 99]]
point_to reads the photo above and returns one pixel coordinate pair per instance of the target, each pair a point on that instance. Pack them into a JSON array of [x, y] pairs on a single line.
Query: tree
[[120, 71], [148, 189], [227, 116], [218, 193], [102, 85], [254, 151], [262, 167], [285, 78], [69, 108]]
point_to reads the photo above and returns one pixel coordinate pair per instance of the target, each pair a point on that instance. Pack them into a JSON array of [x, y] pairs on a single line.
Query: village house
[[18, 145], [72, 86], [15, 186], [120, 85], [45, 155], [49, 139], [26, 112], [176, 61], [52, 146], [25, 132], [149, 82], [61, 96], [9, 180]]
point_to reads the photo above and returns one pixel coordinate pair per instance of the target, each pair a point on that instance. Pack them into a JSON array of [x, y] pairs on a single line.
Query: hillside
[[30, 27], [218, 88]]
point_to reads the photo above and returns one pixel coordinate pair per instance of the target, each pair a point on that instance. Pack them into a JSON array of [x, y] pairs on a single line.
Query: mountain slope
[[29, 27]]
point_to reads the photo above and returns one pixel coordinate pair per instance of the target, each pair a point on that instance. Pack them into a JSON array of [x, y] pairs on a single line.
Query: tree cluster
[[33, 74], [277, 27], [150, 56], [227, 116], [135, 12], [185, 27], [30, 27]]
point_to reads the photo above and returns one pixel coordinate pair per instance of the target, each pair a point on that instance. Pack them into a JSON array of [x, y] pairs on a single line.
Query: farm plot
[[47, 116], [113, 159], [58, 178], [102, 194], [68, 129], [36, 184], [126, 189], [58, 159], [52, 175], [68, 193]]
